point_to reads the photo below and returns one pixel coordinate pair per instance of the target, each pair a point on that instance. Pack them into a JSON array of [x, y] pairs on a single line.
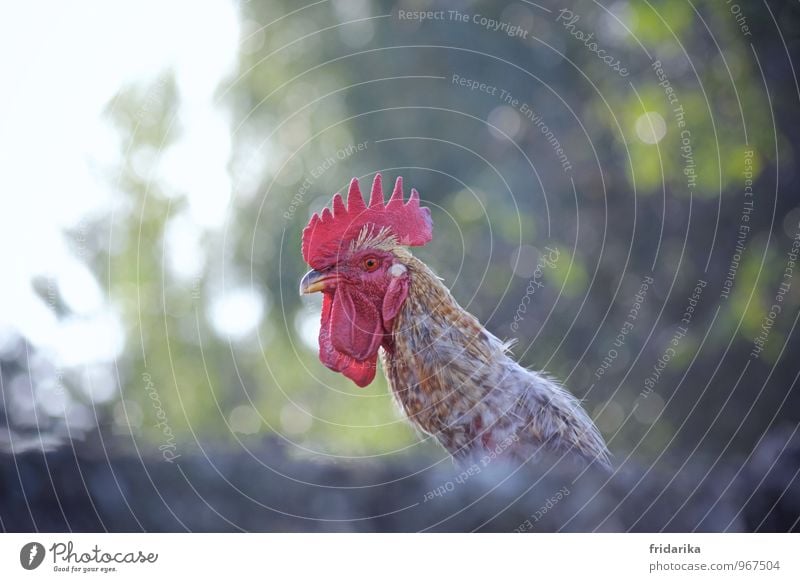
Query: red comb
[[328, 235]]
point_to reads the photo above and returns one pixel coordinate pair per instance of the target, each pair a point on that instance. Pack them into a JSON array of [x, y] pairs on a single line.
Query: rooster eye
[[370, 264]]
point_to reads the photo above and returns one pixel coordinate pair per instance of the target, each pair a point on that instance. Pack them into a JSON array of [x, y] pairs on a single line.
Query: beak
[[315, 281]]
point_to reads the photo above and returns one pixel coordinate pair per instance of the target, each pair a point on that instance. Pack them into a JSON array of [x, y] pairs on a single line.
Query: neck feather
[[442, 362], [456, 382]]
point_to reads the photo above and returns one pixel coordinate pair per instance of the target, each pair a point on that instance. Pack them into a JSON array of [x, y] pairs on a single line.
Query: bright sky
[[63, 62]]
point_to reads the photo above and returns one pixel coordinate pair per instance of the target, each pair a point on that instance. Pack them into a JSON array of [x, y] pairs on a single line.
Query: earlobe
[[395, 294]]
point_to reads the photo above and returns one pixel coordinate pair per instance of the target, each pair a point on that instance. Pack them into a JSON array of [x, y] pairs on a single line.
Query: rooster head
[[362, 280]]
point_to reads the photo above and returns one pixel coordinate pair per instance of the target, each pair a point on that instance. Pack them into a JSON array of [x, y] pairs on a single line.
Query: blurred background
[[159, 162]]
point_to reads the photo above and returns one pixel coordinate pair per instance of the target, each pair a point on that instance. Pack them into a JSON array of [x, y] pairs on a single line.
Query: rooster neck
[[441, 364], [455, 381]]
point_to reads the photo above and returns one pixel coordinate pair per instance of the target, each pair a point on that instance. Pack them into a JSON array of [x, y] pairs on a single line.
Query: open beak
[[315, 281]]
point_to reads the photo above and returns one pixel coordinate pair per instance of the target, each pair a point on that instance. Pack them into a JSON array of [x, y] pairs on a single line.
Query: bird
[[453, 379]]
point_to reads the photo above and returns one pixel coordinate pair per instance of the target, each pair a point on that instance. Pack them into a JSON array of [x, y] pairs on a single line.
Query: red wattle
[[348, 336]]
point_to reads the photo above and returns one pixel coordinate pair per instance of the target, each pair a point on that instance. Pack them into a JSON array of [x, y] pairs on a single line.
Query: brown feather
[[456, 381]]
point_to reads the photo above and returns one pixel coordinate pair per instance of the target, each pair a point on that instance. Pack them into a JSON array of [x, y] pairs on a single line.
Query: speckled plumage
[[456, 381]]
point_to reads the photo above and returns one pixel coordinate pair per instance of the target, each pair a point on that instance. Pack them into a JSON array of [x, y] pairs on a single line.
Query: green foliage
[[304, 93]]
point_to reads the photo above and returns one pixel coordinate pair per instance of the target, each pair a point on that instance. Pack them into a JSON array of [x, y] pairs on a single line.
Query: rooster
[[452, 378]]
